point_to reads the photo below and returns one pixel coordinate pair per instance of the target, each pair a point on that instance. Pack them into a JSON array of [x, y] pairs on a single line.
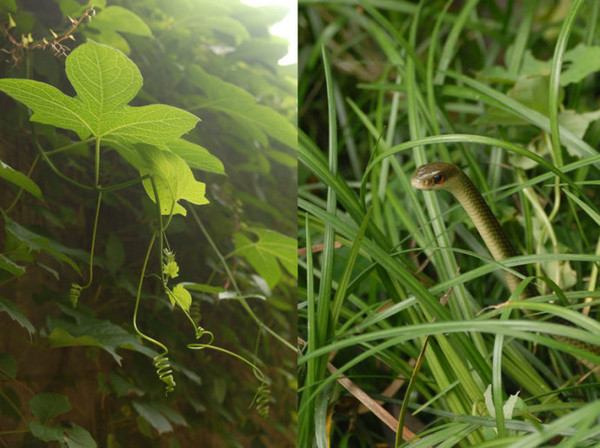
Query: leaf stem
[[96, 219], [97, 164]]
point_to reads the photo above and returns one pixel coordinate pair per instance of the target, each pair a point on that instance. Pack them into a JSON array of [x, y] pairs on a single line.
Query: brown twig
[[55, 44]]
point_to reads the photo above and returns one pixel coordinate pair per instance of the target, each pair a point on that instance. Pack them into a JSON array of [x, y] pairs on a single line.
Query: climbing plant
[[111, 241]]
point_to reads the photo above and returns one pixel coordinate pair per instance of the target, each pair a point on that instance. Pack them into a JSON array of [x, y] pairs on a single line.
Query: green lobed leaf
[[281, 246], [180, 296], [46, 406], [261, 261], [15, 314], [263, 255], [20, 180], [105, 81], [173, 178]]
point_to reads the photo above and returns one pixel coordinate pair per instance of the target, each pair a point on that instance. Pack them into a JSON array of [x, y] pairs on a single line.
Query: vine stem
[[96, 219], [97, 164], [139, 293], [235, 286], [20, 193]]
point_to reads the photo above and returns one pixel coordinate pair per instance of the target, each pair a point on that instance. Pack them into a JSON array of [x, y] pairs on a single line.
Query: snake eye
[[438, 179]]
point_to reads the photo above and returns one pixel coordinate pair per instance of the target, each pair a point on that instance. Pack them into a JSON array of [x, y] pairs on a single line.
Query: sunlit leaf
[[180, 296], [196, 156], [173, 178], [105, 81]]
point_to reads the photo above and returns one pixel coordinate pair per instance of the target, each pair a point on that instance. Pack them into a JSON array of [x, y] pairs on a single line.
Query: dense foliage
[[147, 264], [395, 285]]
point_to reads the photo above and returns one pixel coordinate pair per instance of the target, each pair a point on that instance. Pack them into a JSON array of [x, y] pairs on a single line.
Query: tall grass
[[390, 272]]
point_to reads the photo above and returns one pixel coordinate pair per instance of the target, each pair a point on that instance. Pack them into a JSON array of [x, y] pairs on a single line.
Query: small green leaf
[[173, 178], [180, 296], [171, 269], [15, 314], [46, 406], [20, 180]]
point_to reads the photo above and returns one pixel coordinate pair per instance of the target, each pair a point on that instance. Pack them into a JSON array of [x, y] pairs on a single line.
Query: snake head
[[435, 176]]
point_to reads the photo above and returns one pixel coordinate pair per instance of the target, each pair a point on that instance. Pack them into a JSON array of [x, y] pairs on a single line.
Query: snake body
[[449, 177]]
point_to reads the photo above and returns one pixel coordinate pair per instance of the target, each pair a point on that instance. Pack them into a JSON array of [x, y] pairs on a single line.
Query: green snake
[[449, 177]]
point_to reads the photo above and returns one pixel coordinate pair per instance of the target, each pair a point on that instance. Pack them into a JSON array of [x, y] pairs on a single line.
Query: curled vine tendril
[[74, 293], [164, 371]]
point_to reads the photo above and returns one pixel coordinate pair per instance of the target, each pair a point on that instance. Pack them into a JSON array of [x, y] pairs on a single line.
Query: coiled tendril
[[262, 399], [74, 293], [164, 371]]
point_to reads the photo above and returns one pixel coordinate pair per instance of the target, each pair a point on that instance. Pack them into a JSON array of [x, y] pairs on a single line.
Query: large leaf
[[263, 254], [105, 81], [83, 330], [242, 107]]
